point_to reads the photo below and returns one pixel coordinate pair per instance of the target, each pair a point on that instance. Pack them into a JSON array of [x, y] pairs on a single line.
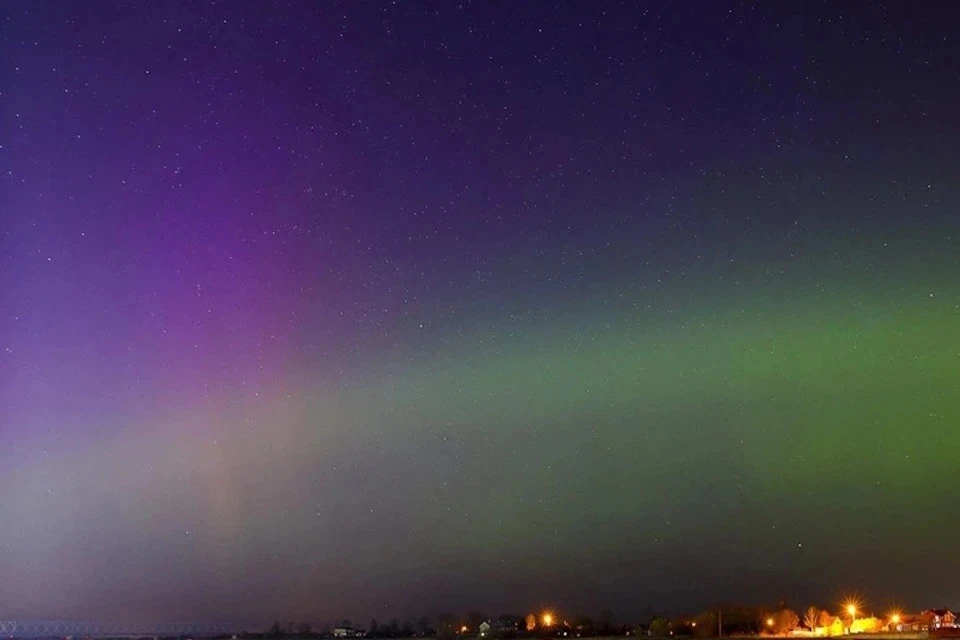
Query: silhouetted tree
[[583, 624], [813, 618], [606, 622], [423, 625], [682, 627], [739, 619], [785, 621], [446, 626], [659, 628], [304, 629], [446, 621], [705, 625], [646, 616], [374, 630]]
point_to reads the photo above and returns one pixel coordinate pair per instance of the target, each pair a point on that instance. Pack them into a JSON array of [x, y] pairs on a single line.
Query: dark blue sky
[[316, 310]]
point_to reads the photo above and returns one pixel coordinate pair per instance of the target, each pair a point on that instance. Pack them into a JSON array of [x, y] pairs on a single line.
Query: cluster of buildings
[[930, 620], [935, 622]]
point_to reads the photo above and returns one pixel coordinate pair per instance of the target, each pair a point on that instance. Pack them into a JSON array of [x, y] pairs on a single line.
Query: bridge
[[64, 629]]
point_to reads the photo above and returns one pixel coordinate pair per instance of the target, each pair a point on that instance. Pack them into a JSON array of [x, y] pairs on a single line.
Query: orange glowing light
[[895, 618], [547, 619], [852, 609], [769, 622]]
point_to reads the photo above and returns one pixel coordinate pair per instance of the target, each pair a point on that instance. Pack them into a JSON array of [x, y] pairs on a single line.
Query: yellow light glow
[[895, 618], [547, 619], [769, 622], [463, 629], [852, 609]]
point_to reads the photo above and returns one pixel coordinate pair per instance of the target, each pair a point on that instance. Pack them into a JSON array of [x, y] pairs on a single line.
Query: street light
[[895, 618], [547, 619], [852, 610]]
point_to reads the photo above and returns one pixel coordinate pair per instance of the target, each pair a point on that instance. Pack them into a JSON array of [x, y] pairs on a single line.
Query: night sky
[[317, 310]]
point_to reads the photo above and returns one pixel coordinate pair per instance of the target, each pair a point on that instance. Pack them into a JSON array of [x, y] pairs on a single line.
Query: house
[[505, 626], [938, 618], [907, 622], [484, 629], [866, 625], [831, 626], [928, 620]]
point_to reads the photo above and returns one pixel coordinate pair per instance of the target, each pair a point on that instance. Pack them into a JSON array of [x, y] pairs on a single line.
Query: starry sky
[[316, 310]]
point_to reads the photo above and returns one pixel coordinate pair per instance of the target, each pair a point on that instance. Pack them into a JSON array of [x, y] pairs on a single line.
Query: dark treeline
[[726, 619]]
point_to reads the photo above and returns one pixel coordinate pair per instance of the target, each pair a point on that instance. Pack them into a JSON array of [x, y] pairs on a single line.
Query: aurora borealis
[[325, 310]]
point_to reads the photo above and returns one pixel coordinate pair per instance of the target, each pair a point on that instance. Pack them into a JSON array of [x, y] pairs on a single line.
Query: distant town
[[850, 618], [778, 621]]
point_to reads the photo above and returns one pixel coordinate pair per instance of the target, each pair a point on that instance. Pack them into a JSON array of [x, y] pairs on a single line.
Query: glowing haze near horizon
[[325, 310]]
